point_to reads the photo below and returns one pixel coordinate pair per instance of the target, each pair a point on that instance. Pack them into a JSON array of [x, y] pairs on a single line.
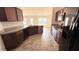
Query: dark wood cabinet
[[32, 30], [25, 31], [10, 14], [19, 36], [60, 15], [40, 29], [19, 14], [2, 14], [13, 40]]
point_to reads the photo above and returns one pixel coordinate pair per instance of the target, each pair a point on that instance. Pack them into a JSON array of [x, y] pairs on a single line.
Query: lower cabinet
[[25, 31], [33, 30], [56, 34], [13, 40]]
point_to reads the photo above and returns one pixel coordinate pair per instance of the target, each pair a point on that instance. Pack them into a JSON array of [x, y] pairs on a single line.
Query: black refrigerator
[[70, 34]]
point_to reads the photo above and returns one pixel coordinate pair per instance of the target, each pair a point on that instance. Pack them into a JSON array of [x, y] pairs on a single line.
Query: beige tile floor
[[39, 42]]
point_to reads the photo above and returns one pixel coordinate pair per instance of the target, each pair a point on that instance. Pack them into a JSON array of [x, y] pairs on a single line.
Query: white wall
[[37, 12], [2, 47]]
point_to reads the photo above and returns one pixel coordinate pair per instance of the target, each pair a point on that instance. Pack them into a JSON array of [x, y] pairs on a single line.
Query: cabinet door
[[36, 29], [25, 31], [32, 30], [19, 14], [10, 41], [13, 40], [19, 37], [2, 14], [11, 13]]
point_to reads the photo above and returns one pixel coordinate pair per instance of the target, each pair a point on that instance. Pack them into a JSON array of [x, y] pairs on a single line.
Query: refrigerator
[[70, 34]]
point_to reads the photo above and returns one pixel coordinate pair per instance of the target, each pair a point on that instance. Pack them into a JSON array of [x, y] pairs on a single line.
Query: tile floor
[[39, 42]]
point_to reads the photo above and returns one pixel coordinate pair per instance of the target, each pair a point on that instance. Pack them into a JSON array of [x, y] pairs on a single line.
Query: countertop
[[14, 27], [57, 27]]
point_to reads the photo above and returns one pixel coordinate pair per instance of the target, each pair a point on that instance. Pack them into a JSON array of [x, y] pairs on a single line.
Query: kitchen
[[20, 23]]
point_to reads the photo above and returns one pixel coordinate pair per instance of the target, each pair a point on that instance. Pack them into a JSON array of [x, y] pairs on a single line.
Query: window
[[24, 21], [42, 21], [31, 20], [27, 21]]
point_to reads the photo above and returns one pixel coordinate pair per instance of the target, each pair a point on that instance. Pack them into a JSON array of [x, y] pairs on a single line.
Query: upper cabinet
[[10, 14], [60, 15], [19, 14], [2, 14]]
